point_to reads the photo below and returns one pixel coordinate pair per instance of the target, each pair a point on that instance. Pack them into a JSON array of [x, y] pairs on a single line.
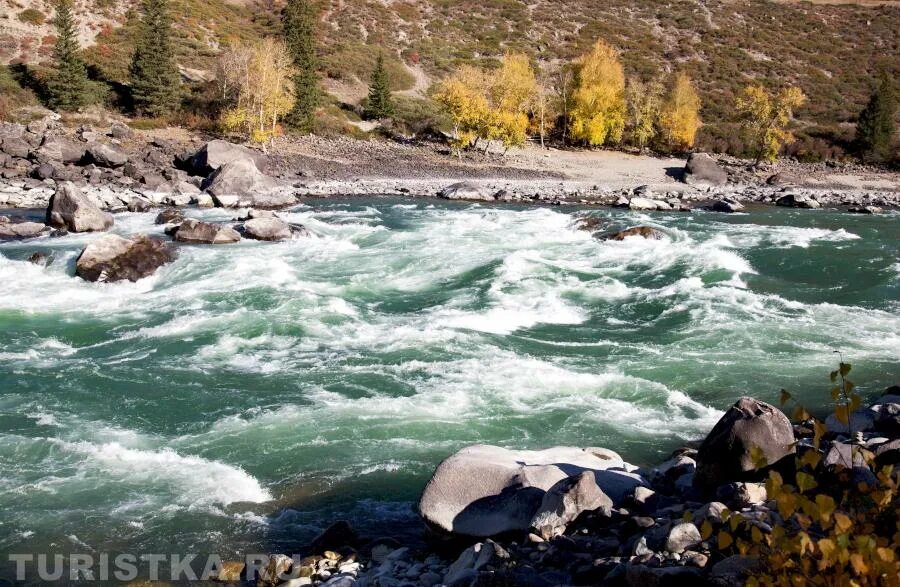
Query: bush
[[32, 16], [419, 116]]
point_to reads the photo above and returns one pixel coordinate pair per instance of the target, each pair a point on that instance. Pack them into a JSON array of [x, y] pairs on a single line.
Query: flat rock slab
[[487, 490]]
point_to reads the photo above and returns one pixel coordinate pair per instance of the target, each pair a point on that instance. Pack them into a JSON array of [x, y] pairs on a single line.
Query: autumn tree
[[875, 127], [598, 102], [299, 26], [379, 104], [155, 81], [462, 95], [764, 118], [643, 102], [511, 90], [543, 103], [679, 119], [265, 94], [67, 84]]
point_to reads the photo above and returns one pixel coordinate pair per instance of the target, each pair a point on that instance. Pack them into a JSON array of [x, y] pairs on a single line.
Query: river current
[[247, 395]]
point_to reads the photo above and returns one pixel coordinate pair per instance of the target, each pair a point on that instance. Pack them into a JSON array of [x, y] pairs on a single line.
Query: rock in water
[[113, 258], [106, 156], [196, 232], [466, 190], [728, 452], [728, 205], [701, 169], [20, 230], [240, 184], [169, 216], [215, 154], [643, 204], [487, 490], [797, 200], [72, 210], [641, 231], [567, 500], [267, 229]]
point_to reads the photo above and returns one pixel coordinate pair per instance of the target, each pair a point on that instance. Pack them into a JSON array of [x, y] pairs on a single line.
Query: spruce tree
[[299, 22], [155, 81], [67, 85], [875, 127], [379, 103]]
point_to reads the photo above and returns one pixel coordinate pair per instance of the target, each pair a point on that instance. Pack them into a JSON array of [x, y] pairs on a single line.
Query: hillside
[[832, 51]]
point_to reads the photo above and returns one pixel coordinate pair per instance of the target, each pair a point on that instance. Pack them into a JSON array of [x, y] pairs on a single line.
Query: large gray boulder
[[749, 426], [701, 169], [74, 211], [196, 232], [239, 184], [647, 232], [797, 200], [58, 149], [112, 258], [466, 190], [567, 500], [104, 155], [486, 490], [267, 229], [215, 154], [16, 147]]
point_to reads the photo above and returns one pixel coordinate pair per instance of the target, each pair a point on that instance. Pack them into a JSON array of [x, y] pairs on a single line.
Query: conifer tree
[[875, 127], [67, 85], [155, 81], [379, 104], [299, 23]]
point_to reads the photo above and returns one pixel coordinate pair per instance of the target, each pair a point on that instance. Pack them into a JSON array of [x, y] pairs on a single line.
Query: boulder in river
[[169, 216], [727, 205], [487, 490], [239, 184], [196, 232], [567, 500], [750, 428], [266, 229], [218, 153], [22, 230], [642, 231], [797, 200], [112, 258], [70, 209], [701, 169], [865, 210], [466, 190], [646, 204]]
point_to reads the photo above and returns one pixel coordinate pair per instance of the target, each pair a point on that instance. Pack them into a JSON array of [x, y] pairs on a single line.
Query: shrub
[[32, 16]]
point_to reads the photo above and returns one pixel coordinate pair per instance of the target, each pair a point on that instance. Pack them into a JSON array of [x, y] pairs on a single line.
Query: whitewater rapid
[[245, 392]]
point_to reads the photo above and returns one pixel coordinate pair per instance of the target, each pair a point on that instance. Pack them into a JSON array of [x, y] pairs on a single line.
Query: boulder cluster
[[573, 516]]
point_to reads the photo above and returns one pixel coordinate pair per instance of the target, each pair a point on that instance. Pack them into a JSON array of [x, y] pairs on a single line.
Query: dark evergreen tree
[[379, 103], [299, 22], [875, 127], [155, 81], [67, 84]]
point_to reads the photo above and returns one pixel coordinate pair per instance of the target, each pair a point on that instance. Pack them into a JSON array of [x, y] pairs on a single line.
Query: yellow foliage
[[464, 98], [643, 102], [680, 116], [598, 102], [764, 118]]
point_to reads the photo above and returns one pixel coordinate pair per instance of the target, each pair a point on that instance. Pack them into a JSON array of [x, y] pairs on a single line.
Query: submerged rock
[[266, 229], [797, 200], [640, 231], [196, 232], [113, 258], [466, 190], [727, 204], [487, 490], [170, 216], [748, 427], [22, 230], [70, 209]]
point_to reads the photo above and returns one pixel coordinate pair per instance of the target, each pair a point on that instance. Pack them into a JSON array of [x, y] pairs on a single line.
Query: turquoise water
[[247, 395]]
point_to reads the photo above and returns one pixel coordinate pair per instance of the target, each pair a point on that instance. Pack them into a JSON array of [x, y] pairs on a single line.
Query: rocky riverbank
[[122, 169], [573, 516]]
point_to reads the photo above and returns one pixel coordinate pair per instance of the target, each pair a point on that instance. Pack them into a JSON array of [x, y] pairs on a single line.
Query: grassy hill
[[832, 51]]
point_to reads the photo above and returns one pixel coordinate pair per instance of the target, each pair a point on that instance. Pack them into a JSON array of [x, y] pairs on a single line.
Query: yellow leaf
[[885, 554], [820, 430], [859, 564], [706, 530], [735, 521], [758, 457], [756, 534], [785, 396], [826, 507], [725, 540], [842, 413], [845, 369], [829, 550], [811, 459], [855, 401], [842, 523], [800, 414], [805, 482]]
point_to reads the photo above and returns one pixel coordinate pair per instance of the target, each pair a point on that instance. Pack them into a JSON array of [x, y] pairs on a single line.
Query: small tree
[[679, 120], [463, 97], [765, 116], [543, 105], [511, 90], [67, 85], [265, 93], [875, 127], [299, 25], [643, 101], [379, 104], [598, 109], [155, 81]]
